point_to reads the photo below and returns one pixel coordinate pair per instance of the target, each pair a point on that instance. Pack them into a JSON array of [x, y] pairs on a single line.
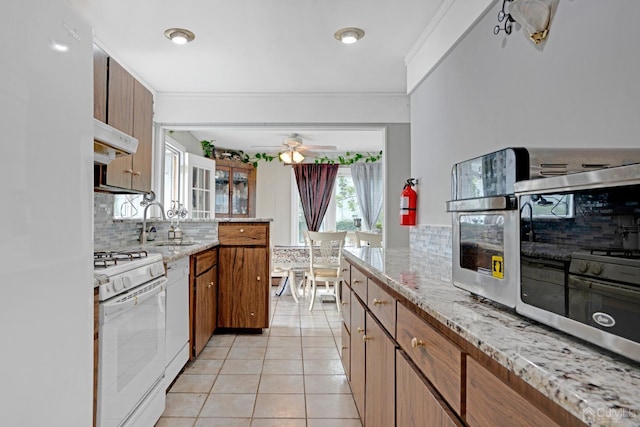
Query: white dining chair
[[325, 256], [368, 239]]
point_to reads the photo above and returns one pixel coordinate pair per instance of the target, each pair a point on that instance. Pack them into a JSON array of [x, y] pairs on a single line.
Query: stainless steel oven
[[486, 214], [580, 256]]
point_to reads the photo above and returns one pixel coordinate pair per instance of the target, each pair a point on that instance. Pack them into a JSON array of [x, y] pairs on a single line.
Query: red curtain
[[315, 185]]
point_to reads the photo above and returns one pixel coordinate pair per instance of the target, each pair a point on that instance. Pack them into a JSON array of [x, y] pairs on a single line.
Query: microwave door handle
[[483, 204]]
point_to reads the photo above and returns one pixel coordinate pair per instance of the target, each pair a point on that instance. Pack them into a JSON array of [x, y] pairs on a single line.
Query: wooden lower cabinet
[[357, 354], [417, 403], [205, 308], [243, 296], [345, 351], [203, 298], [380, 398], [490, 402]]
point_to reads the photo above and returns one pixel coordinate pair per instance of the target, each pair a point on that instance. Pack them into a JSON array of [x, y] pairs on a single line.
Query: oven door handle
[[123, 303], [496, 203]]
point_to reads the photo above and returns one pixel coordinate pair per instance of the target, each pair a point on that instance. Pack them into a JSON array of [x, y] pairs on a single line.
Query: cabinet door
[[357, 353], [379, 376], [143, 131], [345, 352], [240, 192], [222, 191], [417, 403], [100, 65], [205, 308], [120, 116], [490, 402], [244, 288]]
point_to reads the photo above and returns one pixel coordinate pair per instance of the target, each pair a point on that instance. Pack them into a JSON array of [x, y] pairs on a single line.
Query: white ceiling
[[260, 46]]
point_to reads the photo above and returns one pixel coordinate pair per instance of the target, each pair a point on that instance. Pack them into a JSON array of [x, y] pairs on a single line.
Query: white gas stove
[[118, 272]]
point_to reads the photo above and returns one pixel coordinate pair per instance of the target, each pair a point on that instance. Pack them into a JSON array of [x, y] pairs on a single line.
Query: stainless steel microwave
[[580, 256]]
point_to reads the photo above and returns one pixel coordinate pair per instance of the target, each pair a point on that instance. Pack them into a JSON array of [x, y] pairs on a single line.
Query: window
[[201, 181], [342, 210], [174, 158]]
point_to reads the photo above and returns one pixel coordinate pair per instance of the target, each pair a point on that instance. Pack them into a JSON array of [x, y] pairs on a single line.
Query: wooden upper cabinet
[[120, 98], [100, 76], [124, 103], [143, 131]]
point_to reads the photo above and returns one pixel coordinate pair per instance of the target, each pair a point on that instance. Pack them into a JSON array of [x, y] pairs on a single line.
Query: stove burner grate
[[104, 259]]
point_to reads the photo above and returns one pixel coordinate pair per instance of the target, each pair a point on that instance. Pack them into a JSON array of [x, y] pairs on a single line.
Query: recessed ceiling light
[[349, 35], [179, 35]]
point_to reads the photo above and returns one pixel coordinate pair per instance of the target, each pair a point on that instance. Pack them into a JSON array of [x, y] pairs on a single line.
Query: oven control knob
[[126, 281], [582, 267], [118, 284], [596, 269]]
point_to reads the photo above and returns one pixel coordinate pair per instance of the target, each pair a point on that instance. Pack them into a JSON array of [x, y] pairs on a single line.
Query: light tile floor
[[290, 376]]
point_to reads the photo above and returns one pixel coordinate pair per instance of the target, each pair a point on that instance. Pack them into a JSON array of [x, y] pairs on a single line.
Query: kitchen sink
[[175, 243]]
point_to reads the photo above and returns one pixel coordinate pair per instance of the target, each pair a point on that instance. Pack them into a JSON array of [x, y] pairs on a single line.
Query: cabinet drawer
[[383, 306], [243, 233], [205, 260], [490, 402], [439, 359], [359, 283]]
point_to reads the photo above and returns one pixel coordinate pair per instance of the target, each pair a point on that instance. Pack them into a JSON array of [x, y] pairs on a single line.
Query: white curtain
[[367, 179]]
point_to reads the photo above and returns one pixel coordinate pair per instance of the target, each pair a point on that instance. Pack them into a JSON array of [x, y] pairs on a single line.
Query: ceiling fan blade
[[320, 147], [268, 147]]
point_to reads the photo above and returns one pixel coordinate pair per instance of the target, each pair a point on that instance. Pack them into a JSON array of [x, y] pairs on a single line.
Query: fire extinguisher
[[408, 203]]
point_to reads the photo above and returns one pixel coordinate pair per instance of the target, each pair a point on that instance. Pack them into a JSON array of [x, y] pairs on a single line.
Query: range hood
[[109, 142]]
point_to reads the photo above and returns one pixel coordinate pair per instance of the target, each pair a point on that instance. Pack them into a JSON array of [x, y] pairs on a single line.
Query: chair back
[[325, 250], [370, 239]]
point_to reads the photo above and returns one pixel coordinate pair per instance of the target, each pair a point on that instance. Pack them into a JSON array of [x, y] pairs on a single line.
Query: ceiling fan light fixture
[[179, 35], [349, 35], [291, 156]]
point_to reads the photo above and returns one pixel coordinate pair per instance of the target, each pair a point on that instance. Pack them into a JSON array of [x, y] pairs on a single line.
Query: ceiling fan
[[293, 150]]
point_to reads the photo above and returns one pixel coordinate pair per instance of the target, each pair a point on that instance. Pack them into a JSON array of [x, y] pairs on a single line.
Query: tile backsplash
[[110, 234], [435, 242]]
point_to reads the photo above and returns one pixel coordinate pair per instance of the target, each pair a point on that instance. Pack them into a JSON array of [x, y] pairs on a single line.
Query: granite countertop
[[173, 253], [244, 219], [596, 386]]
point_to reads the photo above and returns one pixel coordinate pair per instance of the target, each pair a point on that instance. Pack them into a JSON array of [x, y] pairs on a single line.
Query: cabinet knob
[[343, 302], [357, 281], [253, 314], [376, 301], [344, 269], [258, 278], [415, 342], [210, 284], [136, 173], [242, 230], [344, 348], [360, 330], [365, 338], [128, 171]]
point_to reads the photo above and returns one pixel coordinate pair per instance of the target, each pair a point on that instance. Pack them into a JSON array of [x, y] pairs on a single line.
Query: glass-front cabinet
[[235, 189]]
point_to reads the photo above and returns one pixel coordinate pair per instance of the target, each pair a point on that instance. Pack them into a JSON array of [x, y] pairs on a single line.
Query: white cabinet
[[177, 318]]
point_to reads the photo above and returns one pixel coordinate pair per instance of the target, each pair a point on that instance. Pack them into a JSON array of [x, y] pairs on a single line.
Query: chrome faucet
[[532, 237], [143, 233]]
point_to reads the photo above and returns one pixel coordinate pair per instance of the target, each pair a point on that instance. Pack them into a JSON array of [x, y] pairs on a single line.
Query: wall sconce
[[291, 156], [534, 16]]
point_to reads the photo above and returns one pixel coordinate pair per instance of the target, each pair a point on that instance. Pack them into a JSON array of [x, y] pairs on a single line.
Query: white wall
[[273, 199], [397, 158], [491, 92]]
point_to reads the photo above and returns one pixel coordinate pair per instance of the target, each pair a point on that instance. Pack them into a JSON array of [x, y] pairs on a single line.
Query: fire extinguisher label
[[404, 202], [497, 265]]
